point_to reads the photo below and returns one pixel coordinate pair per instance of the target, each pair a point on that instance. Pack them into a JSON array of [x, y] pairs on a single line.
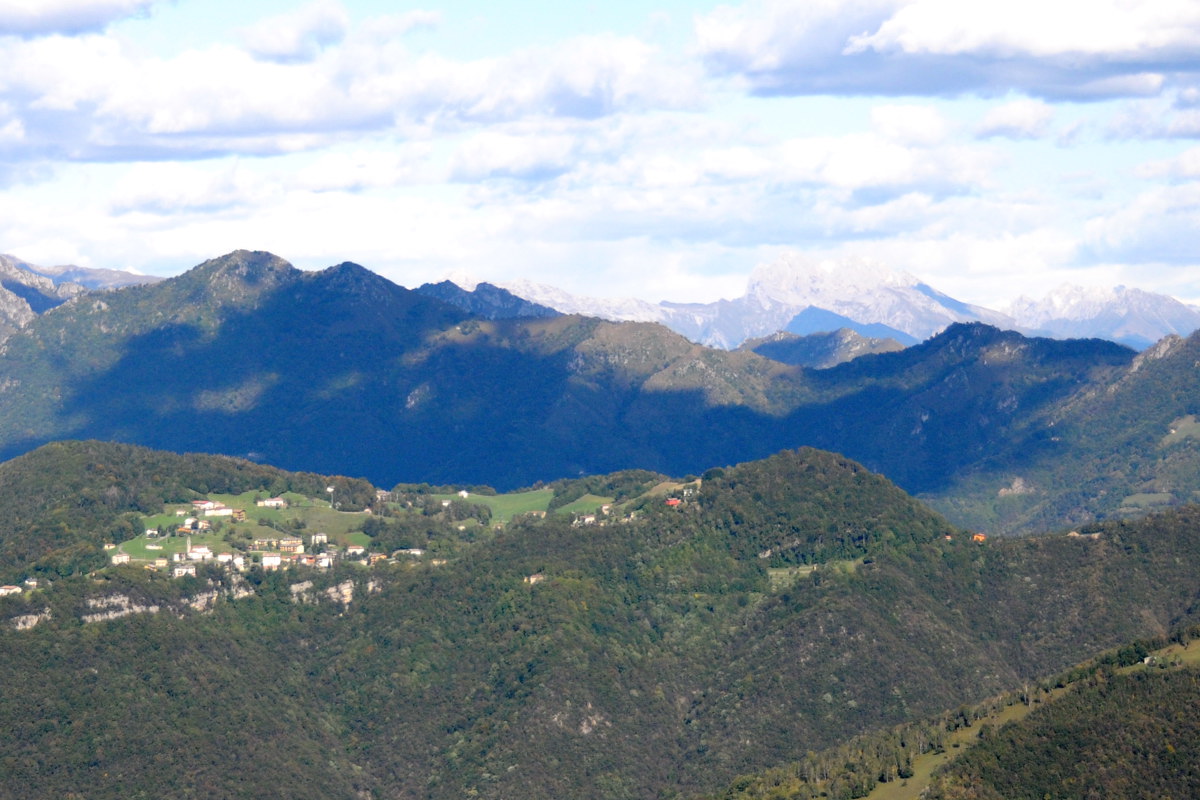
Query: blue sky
[[660, 150]]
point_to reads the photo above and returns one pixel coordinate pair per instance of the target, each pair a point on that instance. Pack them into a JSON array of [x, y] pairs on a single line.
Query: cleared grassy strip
[[588, 504], [506, 506], [145, 549], [782, 577]]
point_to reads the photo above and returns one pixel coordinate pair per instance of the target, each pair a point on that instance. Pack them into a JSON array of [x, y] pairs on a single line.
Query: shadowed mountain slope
[[341, 371]]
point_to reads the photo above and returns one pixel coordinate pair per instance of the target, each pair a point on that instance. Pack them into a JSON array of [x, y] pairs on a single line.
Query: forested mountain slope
[[663, 653], [341, 371]]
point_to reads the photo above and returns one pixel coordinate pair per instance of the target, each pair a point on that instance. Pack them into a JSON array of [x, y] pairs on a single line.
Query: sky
[[658, 149]]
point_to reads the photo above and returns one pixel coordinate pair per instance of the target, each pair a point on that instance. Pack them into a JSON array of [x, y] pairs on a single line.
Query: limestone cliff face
[[25, 293], [27, 290]]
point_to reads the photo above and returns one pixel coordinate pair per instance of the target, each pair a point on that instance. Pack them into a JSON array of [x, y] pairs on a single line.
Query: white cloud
[[168, 189], [95, 97], [1157, 227], [860, 161], [919, 125], [498, 154], [299, 35], [13, 131], [391, 26], [1185, 166], [1112, 29], [363, 169], [1049, 48], [44, 17], [1020, 119]]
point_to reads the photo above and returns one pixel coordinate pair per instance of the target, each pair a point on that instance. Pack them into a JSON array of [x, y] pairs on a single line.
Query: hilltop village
[[251, 532]]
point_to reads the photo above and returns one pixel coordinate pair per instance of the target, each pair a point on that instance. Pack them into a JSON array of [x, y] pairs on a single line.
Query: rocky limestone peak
[[248, 264], [796, 280]]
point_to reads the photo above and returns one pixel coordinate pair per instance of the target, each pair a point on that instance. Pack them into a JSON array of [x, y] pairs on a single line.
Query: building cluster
[[268, 553]]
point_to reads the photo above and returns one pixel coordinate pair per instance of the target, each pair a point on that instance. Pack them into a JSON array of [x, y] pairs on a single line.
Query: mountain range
[[342, 371], [790, 295], [803, 296], [27, 290]]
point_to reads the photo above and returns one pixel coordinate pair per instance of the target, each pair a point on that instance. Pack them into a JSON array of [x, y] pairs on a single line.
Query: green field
[[506, 506], [140, 548], [782, 577], [1182, 429], [1146, 500], [588, 504], [315, 514]]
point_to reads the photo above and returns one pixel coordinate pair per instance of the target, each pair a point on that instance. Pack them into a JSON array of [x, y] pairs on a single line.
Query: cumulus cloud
[[1051, 48], [45, 17], [1020, 119], [363, 169], [93, 97], [299, 35], [1114, 29], [1157, 227], [168, 189], [920, 125], [497, 154], [1185, 166]]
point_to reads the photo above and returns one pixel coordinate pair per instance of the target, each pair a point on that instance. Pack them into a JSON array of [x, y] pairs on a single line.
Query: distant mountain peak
[[70, 275], [1131, 316], [800, 281], [248, 265], [462, 279]]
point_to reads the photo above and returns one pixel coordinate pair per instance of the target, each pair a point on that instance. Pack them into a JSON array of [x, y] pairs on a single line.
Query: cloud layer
[[993, 151]]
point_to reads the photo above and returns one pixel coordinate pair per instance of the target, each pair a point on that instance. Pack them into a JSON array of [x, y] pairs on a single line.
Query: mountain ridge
[[342, 371], [877, 301]]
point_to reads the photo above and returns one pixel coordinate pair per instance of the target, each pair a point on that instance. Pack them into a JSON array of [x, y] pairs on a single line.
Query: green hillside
[[62, 502], [1119, 735], [627, 658]]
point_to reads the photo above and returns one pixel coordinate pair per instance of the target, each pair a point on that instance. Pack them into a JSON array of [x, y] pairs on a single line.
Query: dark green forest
[[1134, 735], [788, 605]]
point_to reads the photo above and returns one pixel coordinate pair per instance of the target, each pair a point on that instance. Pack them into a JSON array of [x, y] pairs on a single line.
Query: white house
[[272, 502], [120, 558], [200, 552], [272, 560], [183, 569], [6, 590]]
